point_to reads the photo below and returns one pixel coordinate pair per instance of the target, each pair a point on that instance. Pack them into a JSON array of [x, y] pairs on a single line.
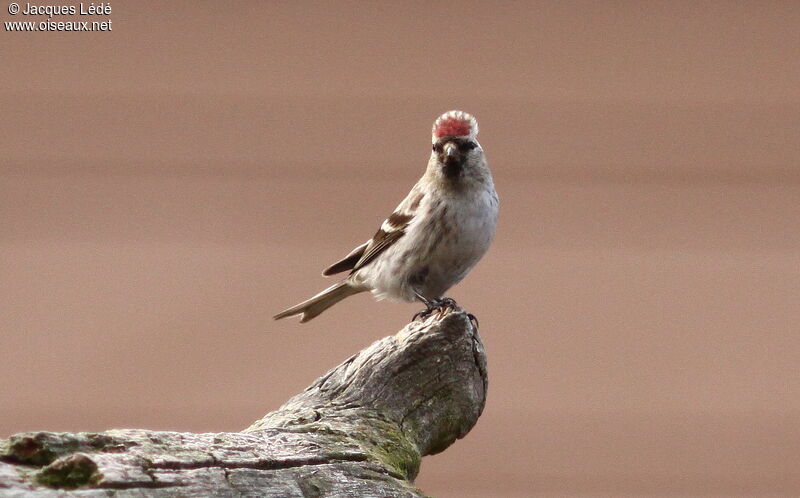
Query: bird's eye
[[470, 145]]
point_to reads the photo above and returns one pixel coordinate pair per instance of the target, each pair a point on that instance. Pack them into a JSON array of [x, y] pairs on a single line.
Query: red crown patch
[[455, 124]]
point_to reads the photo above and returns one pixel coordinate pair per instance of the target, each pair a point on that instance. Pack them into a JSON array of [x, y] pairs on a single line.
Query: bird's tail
[[322, 301]]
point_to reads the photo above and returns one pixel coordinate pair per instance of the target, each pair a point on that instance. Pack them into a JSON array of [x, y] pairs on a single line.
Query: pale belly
[[435, 253]]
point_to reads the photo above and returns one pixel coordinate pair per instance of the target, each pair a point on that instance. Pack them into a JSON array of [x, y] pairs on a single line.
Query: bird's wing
[[382, 241], [348, 262], [392, 229]]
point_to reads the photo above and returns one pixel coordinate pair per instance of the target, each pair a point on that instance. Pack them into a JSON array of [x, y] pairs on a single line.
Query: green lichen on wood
[[69, 472], [386, 442], [399, 457], [42, 448], [38, 448]]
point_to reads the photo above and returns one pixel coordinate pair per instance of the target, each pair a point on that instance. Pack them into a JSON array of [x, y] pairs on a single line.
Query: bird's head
[[455, 145]]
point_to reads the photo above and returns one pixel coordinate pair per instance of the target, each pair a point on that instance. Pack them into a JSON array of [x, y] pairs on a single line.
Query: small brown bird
[[433, 238]]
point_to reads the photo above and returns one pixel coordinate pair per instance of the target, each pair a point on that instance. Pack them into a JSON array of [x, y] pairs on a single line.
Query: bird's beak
[[450, 150]]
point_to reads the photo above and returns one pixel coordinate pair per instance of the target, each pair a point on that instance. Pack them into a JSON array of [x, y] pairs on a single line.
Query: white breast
[[445, 240]]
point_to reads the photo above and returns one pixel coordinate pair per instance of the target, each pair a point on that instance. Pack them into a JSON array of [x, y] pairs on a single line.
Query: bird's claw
[[420, 315], [437, 305]]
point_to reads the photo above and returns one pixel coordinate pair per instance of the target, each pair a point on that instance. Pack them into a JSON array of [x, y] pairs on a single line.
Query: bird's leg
[[427, 302], [429, 307]]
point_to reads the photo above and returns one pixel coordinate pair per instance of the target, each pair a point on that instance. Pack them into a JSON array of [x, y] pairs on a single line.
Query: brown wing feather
[[381, 242], [348, 262], [390, 232]]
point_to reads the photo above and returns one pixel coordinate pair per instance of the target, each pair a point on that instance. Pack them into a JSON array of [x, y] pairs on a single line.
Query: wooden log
[[359, 430]]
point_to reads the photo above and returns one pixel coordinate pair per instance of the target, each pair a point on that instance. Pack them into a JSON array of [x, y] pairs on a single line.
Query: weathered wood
[[359, 430]]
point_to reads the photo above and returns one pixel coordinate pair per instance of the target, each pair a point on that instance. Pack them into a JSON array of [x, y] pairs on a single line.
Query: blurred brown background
[[168, 186]]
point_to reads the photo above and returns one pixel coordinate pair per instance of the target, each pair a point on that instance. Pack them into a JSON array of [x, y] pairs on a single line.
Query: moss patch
[[69, 472], [389, 446], [37, 448], [42, 448]]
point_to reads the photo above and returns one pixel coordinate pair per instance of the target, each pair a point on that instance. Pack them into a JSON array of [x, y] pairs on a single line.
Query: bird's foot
[[439, 305], [473, 320]]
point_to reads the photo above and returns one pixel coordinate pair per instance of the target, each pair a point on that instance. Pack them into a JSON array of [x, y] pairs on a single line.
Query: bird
[[433, 238]]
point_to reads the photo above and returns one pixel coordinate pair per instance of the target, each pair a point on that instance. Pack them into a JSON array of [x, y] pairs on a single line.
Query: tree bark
[[359, 430]]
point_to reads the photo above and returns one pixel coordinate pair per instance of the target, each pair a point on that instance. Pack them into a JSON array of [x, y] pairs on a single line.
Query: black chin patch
[[452, 169]]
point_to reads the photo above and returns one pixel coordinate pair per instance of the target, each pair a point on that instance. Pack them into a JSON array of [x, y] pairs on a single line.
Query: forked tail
[[322, 301]]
